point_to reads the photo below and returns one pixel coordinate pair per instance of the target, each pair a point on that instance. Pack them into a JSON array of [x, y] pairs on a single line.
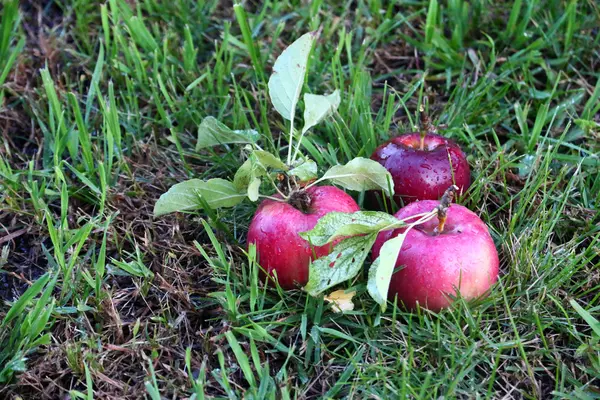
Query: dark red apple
[[423, 172], [275, 227], [462, 256]]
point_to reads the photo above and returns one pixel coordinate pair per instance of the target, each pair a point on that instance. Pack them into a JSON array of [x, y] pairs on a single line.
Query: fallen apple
[[423, 165], [441, 256], [276, 224]]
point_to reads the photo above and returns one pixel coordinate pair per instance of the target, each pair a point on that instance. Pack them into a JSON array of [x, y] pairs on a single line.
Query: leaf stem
[[415, 216], [428, 216], [314, 183], [423, 217], [272, 198], [297, 148], [276, 187], [291, 141]]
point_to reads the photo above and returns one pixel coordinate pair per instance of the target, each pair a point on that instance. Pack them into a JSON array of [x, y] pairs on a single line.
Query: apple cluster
[[442, 258], [314, 236]]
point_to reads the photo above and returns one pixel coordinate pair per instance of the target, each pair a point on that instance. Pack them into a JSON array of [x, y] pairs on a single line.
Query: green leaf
[[242, 358], [592, 322], [585, 124], [212, 132], [306, 171], [256, 166], [19, 306], [244, 175], [337, 334], [287, 79], [380, 273], [253, 189], [185, 196], [343, 263], [361, 174], [220, 193], [335, 225], [134, 268], [317, 107], [268, 160]]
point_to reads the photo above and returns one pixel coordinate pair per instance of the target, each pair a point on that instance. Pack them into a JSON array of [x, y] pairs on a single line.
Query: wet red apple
[[275, 227], [435, 265], [422, 170]]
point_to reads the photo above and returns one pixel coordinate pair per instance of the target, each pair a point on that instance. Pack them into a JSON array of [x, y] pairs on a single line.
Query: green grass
[[99, 106]]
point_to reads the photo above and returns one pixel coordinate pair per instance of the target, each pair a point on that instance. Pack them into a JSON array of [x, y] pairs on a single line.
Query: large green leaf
[[185, 196], [287, 79], [361, 174], [338, 224], [212, 132], [343, 263]]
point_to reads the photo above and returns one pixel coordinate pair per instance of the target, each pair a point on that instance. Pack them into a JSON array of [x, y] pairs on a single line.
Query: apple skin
[[423, 174], [275, 227], [463, 256]]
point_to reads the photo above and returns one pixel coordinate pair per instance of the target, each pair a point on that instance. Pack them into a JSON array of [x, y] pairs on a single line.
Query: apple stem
[[301, 200], [442, 208], [424, 119], [442, 223], [426, 125]]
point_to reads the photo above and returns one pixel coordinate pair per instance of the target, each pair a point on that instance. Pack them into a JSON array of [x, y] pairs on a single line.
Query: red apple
[[275, 227], [423, 172], [462, 256]]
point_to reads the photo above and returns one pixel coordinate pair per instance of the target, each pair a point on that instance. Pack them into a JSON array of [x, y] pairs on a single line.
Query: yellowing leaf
[[342, 300]]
